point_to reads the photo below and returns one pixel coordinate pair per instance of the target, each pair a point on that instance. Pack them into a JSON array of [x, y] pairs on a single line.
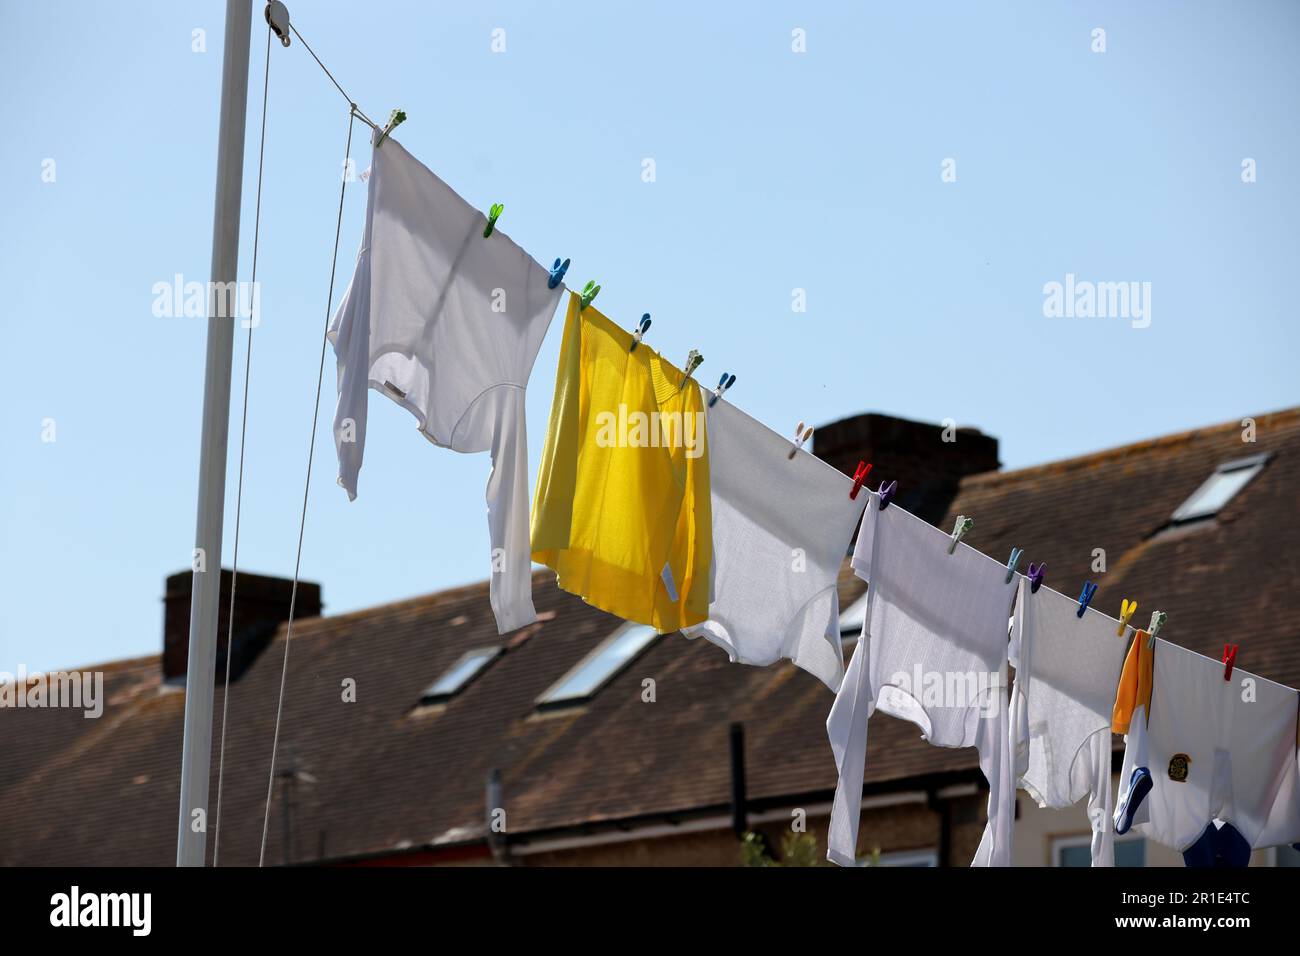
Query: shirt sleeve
[[511, 589], [993, 745], [557, 474], [349, 333]]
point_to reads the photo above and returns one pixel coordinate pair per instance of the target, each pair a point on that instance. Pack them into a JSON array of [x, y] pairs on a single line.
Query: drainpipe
[[943, 807], [739, 814]]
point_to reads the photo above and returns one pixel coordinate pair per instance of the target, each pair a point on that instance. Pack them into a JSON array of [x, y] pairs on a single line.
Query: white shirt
[[447, 324], [1067, 669], [781, 529], [933, 651], [1216, 750]]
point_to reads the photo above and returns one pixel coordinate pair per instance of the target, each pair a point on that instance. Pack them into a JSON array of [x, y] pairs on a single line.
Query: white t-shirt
[[1067, 669], [933, 651], [1216, 750], [447, 324], [781, 529]]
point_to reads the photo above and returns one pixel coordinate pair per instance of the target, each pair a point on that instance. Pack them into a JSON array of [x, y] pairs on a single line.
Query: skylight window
[[598, 667], [467, 667], [1220, 488]]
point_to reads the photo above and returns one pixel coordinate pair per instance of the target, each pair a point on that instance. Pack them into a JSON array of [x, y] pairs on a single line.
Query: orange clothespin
[[1126, 609], [1229, 659]]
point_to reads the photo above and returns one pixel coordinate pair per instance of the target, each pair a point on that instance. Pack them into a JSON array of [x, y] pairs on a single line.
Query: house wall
[[904, 828]]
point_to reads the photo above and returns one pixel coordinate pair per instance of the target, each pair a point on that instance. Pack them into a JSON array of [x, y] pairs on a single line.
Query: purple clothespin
[[1036, 576], [887, 493]]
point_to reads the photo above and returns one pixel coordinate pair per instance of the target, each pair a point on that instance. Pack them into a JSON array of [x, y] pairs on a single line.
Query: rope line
[[311, 450], [239, 494], [351, 102]]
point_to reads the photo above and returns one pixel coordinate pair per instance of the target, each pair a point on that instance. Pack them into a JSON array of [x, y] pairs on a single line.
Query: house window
[[1220, 488], [468, 666], [599, 667], [1286, 856], [1077, 851]]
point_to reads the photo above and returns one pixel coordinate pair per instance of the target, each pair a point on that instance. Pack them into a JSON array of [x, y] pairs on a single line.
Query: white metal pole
[[191, 834]]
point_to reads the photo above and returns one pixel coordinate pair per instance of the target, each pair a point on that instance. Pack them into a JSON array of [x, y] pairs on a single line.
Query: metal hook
[[277, 18]]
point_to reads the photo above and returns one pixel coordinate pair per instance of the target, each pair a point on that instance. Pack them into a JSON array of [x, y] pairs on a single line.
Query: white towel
[[447, 324], [781, 529], [933, 651], [1067, 669]]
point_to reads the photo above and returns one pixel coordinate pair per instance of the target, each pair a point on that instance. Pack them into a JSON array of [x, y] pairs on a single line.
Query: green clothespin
[[589, 292], [395, 119], [693, 361], [960, 530], [493, 215]]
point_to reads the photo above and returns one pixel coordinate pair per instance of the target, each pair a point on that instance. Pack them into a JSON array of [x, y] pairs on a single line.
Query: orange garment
[[1134, 689]]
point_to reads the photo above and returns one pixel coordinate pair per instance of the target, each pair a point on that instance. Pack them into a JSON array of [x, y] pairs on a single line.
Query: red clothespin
[[859, 477], [1229, 659]]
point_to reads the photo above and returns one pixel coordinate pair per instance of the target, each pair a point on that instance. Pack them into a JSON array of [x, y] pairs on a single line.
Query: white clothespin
[[1158, 619], [959, 530], [800, 436]]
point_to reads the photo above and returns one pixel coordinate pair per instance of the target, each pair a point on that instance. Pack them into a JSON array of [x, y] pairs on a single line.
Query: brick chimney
[[261, 606], [927, 468]]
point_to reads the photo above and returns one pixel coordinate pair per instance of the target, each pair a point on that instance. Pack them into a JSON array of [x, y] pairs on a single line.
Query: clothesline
[[702, 546]]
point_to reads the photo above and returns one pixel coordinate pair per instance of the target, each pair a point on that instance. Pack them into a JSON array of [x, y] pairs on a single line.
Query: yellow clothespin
[[1126, 609]]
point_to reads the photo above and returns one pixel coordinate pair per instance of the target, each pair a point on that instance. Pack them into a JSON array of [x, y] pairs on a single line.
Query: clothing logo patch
[[1179, 765]]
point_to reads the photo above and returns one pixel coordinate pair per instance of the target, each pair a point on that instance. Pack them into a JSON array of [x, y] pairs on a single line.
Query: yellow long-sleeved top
[[623, 486], [1135, 681]]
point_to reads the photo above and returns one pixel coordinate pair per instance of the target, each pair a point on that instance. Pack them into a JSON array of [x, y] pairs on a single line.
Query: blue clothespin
[[1016, 555], [724, 383], [1036, 576], [886, 493], [557, 273], [959, 530], [589, 292], [639, 332], [1085, 597], [493, 215]]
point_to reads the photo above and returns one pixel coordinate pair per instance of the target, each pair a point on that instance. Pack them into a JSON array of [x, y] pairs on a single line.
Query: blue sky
[[775, 170]]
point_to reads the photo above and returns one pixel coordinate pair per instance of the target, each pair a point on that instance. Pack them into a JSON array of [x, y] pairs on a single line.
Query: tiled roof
[[379, 775]]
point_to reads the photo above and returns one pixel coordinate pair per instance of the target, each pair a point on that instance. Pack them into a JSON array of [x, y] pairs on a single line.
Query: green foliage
[[797, 849]]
